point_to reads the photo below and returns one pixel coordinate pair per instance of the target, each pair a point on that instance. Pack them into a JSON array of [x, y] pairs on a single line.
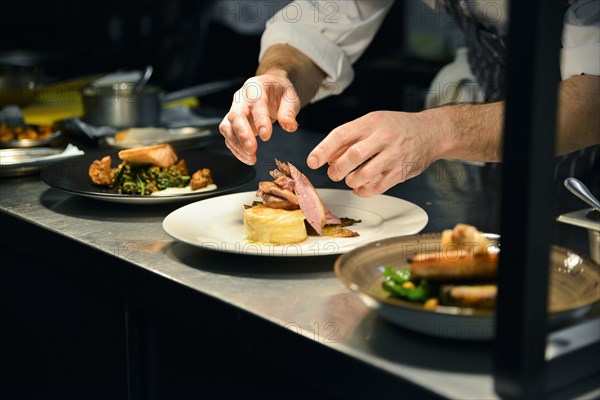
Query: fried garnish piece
[[338, 231], [349, 221], [254, 204], [332, 230], [5, 136], [465, 237], [161, 155], [44, 131], [121, 135], [201, 178], [24, 132], [101, 172], [431, 303]]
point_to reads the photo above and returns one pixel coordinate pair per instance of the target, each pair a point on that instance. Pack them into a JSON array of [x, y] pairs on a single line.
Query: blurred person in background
[[307, 52]]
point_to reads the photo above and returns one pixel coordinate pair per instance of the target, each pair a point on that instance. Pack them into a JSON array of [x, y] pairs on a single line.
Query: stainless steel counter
[[297, 303]]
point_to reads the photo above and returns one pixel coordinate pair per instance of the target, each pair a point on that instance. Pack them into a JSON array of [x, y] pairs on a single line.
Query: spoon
[[580, 190], [143, 80]]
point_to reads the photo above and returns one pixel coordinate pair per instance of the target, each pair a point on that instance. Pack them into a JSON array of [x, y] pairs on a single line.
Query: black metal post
[[527, 196]]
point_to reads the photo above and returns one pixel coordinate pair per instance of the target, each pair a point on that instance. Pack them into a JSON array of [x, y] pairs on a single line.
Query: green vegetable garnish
[[394, 284], [148, 179], [397, 275]]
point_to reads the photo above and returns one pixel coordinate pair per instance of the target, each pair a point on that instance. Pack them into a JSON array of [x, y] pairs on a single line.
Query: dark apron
[[487, 51], [487, 60]]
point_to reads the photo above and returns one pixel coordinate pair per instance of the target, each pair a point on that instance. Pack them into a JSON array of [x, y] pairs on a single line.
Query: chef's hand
[[261, 101], [377, 151]]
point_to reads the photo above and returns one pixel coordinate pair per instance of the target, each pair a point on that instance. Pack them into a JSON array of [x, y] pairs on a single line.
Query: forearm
[[287, 61], [474, 131], [578, 117], [467, 131]]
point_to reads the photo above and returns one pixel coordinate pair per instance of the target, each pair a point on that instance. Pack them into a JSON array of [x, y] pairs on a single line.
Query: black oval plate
[[72, 176]]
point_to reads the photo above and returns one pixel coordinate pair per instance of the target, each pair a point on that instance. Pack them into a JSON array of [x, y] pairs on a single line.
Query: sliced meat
[[284, 178], [101, 172], [278, 202], [330, 218], [285, 182], [308, 199], [276, 174], [284, 167], [293, 186], [161, 155], [276, 190]]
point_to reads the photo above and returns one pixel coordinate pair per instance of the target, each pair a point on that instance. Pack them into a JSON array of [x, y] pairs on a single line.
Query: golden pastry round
[[272, 225]]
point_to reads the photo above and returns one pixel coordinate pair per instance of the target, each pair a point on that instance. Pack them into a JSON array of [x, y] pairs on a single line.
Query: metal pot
[[119, 107], [116, 106]]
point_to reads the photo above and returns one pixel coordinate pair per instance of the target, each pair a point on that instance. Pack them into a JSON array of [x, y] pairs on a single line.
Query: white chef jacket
[[334, 34]]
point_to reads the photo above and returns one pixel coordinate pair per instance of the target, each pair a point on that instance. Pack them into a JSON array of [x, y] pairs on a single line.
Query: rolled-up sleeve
[[334, 34], [580, 53]]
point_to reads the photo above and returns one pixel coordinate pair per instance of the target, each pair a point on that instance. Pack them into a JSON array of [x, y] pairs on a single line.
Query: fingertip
[[287, 120], [263, 133], [290, 126], [332, 172], [246, 159], [312, 162], [249, 162]]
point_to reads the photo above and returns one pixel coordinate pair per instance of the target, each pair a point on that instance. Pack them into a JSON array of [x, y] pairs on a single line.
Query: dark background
[[187, 46], [68, 39]]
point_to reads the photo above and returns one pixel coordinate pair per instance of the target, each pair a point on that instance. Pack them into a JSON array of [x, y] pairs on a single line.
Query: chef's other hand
[[377, 151], [261, 101]]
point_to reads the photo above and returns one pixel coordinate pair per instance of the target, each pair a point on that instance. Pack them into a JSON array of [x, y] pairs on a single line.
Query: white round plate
[[217, 224]]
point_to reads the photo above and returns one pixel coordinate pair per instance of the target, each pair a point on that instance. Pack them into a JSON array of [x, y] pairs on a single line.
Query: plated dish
[[31, 136], [25, 161], [573, 289], [179, 138], [217, 224], [72, 176]]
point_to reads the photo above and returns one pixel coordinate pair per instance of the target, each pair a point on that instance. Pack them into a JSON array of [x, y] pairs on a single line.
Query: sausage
[[454, 265], [479, 296]]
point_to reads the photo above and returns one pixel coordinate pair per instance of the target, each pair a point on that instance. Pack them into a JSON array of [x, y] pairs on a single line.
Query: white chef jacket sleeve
[[334, 34], [580, 53]]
